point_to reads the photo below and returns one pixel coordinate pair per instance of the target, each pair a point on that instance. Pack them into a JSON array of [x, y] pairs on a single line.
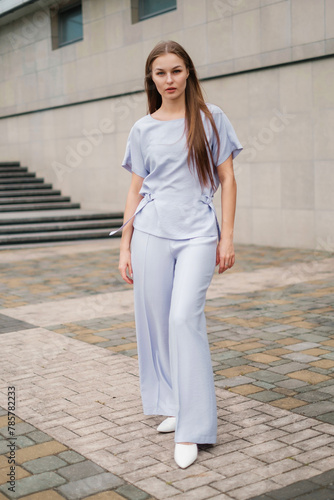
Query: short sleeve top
[[175, 205]]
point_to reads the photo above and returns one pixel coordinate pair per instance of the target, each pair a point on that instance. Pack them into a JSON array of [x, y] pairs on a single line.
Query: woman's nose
[[169, 77]]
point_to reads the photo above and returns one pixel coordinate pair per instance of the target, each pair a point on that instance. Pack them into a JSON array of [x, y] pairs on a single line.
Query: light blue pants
[[171, 278]]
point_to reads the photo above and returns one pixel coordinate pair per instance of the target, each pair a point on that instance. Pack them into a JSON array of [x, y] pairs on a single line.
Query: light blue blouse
[[174, 204]]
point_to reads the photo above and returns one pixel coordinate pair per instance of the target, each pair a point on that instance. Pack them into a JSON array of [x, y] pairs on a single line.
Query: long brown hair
[[198, 144]]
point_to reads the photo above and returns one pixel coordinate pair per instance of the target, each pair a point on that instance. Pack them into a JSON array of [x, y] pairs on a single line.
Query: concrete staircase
[[32, 212]]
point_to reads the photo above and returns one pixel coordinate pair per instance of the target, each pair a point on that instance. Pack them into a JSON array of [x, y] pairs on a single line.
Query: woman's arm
[[132, 201], [225, 250]]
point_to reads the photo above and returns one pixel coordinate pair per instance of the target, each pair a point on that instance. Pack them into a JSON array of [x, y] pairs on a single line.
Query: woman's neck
[[171, 109]]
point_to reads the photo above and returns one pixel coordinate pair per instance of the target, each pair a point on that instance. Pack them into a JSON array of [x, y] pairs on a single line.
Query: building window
[[70, 25], [66, 24], [144, 9]]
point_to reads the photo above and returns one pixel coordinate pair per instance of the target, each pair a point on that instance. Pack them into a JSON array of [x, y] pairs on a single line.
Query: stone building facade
[[66, 111]]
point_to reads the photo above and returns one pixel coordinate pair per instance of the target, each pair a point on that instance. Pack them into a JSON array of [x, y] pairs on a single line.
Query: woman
[[178, 154]]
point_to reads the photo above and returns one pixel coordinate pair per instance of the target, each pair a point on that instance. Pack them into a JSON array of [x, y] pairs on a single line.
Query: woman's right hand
[[133, 199], [125, 265]]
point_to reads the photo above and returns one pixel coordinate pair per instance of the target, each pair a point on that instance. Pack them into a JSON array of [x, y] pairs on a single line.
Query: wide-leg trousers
[[170, 279]]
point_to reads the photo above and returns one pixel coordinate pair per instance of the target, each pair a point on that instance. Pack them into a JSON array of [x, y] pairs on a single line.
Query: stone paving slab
[[271, 333], [57, 472], [8, 324], [63, 383], [246, 358], [75, 309], [83, 274], [319, 487], [57, 276]]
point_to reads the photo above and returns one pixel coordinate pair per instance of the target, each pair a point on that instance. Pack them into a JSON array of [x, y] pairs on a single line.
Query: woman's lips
[[171, 89]]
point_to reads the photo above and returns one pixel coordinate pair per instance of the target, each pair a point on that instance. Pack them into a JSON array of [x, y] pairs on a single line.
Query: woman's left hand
[[225, 255]]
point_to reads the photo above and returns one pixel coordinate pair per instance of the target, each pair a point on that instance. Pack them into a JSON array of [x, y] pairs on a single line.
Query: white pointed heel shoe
[[185, 454], [168, 425]]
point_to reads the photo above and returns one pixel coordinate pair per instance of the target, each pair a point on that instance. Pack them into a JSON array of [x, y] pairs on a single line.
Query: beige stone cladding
[[66, 113]]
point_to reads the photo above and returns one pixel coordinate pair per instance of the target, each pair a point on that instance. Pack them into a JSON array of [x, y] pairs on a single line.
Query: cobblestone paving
[[46, 469], [80, 428], [57, 277], [276, 346], [319, 487]]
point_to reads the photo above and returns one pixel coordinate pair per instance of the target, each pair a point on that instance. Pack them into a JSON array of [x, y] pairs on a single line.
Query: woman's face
[[169, 74]]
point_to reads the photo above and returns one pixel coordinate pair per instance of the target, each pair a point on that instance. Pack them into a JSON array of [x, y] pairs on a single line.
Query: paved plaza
[[68, 352]]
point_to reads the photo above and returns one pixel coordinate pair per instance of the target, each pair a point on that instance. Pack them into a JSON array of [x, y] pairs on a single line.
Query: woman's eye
[[177, 71]]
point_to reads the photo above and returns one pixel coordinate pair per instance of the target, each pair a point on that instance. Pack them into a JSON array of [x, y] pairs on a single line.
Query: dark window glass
[[70, 25], [150, 8]]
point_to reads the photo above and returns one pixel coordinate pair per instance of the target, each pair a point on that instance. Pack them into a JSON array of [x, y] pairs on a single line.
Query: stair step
[[29, 192], [18, 180], [59, 236], [17, 187], [60, 226], [9, 170], [34, 212], [5, 175], [4, 188], [38, 206], [34, 199], [75, 215]]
